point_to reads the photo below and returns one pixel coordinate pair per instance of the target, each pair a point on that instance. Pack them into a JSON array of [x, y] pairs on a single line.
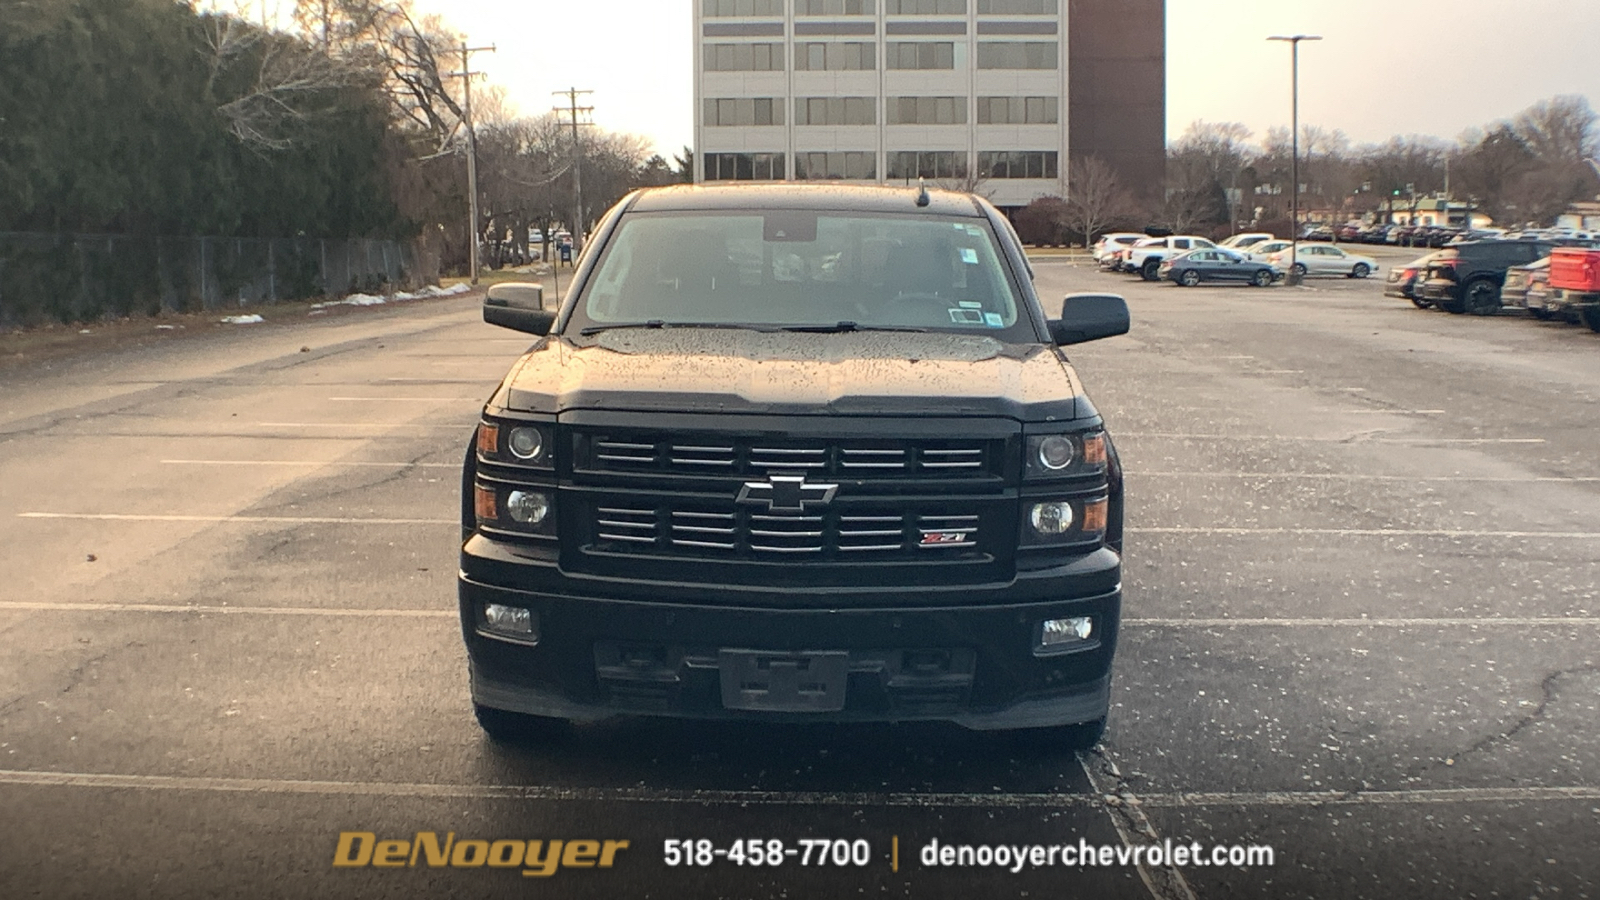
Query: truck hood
[[700, 370]]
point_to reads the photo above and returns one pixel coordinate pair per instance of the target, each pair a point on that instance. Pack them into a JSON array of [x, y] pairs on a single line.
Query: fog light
[[1061, 632], [1051, 518], [1056, 452], [512, 620], [527, 507], [525, 443]]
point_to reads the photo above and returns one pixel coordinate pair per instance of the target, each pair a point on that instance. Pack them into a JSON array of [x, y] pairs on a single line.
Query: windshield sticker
[[969, 304], [969, 256], [994, 320], [966, 317]]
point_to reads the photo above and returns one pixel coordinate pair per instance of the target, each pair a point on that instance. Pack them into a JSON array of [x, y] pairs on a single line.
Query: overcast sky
[[1385, 67]]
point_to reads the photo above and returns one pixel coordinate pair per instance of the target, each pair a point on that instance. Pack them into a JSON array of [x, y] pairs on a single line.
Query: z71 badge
[[944, 537]]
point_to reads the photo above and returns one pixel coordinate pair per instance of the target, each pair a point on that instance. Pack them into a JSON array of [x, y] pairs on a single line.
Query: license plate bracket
[[768, 681]]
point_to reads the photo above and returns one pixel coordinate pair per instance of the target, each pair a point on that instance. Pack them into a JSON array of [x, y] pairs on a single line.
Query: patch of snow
[[166, 328], [242, 320]]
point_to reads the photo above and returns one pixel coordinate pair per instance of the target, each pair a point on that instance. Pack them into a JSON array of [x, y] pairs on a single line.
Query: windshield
[[803, 269]]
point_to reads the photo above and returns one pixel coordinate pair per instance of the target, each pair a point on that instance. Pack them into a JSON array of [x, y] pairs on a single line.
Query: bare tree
[[1095, 197], [272, 87], [1558, 130]]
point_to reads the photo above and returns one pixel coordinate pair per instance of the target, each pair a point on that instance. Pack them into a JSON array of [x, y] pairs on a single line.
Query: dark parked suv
[[795, 453], [1467, 277]]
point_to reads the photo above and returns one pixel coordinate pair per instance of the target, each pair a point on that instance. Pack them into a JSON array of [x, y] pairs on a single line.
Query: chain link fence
[[83, 277]]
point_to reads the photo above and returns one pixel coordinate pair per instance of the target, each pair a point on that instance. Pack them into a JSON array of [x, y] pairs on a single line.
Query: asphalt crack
[[1132, 825], [1547, 688]]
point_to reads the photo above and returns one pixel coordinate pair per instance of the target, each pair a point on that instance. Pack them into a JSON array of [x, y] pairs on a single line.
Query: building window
[[1017, 164], [835, 56], [1017, 55], [925, 7], [743, 57], [835, 7], [908, 164], [743, 111], [926, 111], [1019, 110], [922, 55], [744, 167], [728, 9], [1018, 7], [835, 111], [836, 165]]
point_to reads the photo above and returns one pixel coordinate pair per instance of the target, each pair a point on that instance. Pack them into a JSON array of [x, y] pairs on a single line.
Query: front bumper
[[972, 661]]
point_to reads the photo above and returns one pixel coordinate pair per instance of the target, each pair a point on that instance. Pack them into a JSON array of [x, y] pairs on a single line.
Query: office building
[[996, 96]]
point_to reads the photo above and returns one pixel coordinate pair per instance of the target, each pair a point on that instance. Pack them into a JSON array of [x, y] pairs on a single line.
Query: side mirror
[[518, 306], [1089, 317]]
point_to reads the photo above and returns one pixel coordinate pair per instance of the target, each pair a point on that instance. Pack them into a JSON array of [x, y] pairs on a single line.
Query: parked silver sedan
[[1324, 259]]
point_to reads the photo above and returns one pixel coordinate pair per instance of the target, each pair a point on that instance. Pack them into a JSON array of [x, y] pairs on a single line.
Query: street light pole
[[1294, 153]]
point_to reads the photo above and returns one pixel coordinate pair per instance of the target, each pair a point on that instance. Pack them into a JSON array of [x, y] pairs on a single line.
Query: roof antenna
[[922, 192]]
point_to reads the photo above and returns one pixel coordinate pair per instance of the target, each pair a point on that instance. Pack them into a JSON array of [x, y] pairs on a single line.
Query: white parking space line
[[405, 399], [539, 792], [1182, 799], [286, 520], [1349, 439], [1487, 622], [1400, 412], [43, 606], [420, 425], [1371, 532], [308, 464], [345, 612], [1170, 800], [1361, 476]]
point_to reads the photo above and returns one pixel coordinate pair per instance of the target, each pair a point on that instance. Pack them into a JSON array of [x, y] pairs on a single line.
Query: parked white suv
[[1145, 257], [1105, 249]]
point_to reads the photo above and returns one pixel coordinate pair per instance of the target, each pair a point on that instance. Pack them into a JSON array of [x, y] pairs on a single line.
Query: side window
[[1181, 243]]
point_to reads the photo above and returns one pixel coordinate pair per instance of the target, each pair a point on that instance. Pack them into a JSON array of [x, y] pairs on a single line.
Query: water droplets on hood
[[774, 346]]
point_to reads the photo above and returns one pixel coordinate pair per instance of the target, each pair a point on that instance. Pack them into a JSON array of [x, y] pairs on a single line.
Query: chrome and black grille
[[753, 455], [674, 529]]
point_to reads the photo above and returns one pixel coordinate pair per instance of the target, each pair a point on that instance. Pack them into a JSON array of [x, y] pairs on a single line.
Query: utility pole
[[466, 74], [1294, 157], [573, 109]]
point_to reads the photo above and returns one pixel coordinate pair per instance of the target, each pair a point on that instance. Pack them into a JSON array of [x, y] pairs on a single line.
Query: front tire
[[1151, 270], [1591, 317], [1262, 278], [1189, 278], [1361, 270], [1481, 298]]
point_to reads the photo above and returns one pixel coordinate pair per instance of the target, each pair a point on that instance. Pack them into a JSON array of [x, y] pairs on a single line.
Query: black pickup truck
[[795, 453]]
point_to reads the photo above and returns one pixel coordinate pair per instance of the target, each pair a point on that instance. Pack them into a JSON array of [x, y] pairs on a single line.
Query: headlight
[[1056, 452], [516, 443], [514, 509], [528, 507], [1065, 455], [1051, 518], [525, 443], [1064, 522]]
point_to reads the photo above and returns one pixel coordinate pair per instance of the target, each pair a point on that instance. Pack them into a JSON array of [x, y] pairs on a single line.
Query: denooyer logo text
[[536, 859]]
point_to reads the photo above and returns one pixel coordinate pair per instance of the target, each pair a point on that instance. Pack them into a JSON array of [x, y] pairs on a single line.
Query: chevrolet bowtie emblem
[[786, 493]]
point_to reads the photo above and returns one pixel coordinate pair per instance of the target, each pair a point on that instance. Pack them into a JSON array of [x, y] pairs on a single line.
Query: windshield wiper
[[846, 326], [658, 323]]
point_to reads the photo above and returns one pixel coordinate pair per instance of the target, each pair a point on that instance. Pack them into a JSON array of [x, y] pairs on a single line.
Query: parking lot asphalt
[[1361, 619]]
